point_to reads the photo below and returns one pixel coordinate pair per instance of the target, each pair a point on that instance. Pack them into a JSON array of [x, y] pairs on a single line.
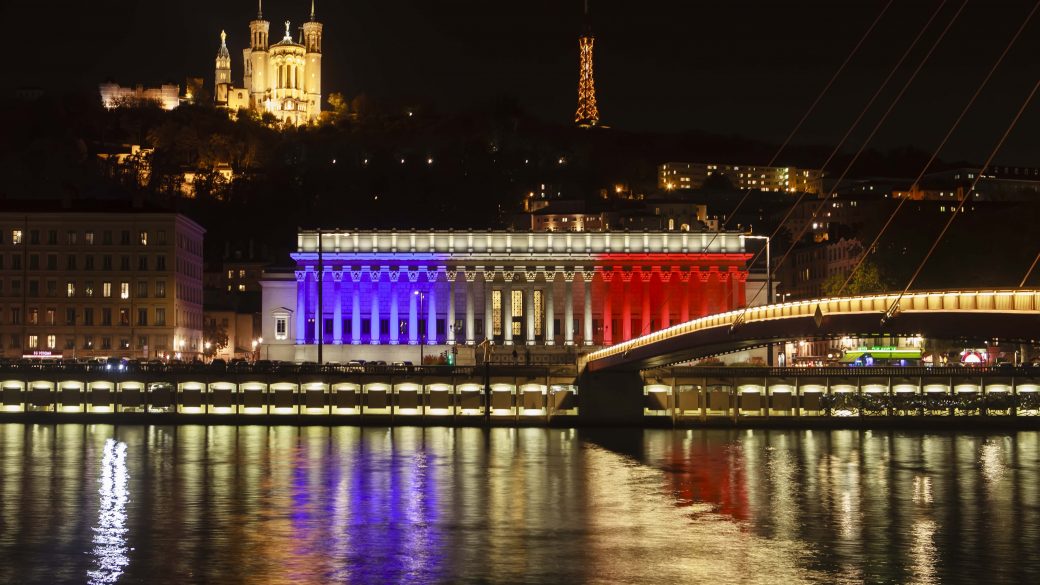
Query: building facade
[[98, 283], [283, 79], [682, 175], [114, 95], [398, 290]]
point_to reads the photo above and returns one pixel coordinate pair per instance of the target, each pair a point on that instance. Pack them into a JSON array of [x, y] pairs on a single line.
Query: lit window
[[70, 289], [124, 290], [281, 327], [34, 342], [144, 238], [16, 237], [52, 341], [106, 289], [89, 238]]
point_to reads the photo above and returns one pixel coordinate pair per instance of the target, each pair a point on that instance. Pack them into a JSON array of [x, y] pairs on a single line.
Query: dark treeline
[[370, 163]]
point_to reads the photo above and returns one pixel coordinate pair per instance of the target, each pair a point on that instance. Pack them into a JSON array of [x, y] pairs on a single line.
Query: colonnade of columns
[[593, 301]]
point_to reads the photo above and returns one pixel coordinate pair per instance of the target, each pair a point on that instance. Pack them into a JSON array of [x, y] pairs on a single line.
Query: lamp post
[[769, 286]]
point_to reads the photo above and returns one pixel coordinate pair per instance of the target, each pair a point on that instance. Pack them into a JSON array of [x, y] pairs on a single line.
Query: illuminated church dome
[[283, 79]]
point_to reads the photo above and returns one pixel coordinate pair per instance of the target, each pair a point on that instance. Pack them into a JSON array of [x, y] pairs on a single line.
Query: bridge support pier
[[614, 398]]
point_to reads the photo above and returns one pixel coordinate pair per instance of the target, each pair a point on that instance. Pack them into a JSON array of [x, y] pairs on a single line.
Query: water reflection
[[411, 505], [110, 545]]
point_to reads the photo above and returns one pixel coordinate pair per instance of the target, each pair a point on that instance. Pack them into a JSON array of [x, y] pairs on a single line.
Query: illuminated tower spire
[[587, 114]]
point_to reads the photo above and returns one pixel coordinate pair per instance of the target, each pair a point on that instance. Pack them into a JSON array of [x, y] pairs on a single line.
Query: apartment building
[[97, 279]]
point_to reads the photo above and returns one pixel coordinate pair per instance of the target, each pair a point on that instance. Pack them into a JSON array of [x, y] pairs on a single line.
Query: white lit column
[[529, 311], [586, 283], [449, 329], [471, 337], [337, 307], [568, 308], [550, 307], [489, 330], [507, 300]]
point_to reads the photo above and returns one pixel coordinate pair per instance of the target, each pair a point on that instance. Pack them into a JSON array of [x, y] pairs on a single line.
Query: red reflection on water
[[709, 473]]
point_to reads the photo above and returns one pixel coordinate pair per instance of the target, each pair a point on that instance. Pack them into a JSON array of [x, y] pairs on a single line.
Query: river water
[[224, 504]]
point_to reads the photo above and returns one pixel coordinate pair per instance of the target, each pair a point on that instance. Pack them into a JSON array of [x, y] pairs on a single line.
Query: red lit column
[[742, 300], [644, 322], [626, 305], [722, 293], [666, 299], [684, 285], [736, 287], [702, 288], [608, 318]]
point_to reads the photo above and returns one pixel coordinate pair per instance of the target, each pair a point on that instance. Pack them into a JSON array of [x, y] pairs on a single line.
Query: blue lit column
[[337, 307], [313, 310], [355, 308], [395, 320], [449, 322], [374, 322], [301, 307], [413, 310], [471, 337]]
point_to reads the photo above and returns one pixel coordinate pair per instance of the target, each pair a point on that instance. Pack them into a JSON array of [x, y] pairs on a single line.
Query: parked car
[[218, 365]]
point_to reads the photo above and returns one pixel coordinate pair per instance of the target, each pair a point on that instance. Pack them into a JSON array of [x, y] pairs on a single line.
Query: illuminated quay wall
[[762, 393], [446, 393], [385, 292], [537, 395]]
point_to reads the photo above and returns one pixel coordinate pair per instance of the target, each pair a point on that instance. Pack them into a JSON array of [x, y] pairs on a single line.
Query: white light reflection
[[922, 552], [991, 458], [110, 547]]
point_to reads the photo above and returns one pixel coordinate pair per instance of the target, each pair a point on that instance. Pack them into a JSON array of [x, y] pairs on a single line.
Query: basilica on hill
[[283, 79]]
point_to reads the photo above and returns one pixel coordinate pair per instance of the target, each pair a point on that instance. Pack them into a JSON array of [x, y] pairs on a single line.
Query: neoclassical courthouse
[[380, 294], [283, 79]]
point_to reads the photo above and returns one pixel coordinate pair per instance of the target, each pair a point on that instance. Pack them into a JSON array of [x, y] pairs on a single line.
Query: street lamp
[[769, 285]]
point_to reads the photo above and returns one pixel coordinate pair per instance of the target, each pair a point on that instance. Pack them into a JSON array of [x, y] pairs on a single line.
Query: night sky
[[732, 67]]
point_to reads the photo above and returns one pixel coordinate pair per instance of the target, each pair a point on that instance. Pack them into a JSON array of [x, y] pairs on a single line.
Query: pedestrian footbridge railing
[[1026, 301]]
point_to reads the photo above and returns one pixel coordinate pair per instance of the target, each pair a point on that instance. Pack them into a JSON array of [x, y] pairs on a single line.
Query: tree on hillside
[[866, 280]]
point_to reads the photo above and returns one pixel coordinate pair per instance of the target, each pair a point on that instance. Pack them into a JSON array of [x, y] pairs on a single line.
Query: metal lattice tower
[[587, 114]]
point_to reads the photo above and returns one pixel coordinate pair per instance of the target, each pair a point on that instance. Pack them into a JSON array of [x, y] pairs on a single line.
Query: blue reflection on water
[[110, 546], [393, 530]]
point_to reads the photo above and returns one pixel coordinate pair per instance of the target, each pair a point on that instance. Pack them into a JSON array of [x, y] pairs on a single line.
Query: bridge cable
[[1030, 271], [953, 216], [877, 126], [645, 329], [805, 116], [855, 123], [935, 154]]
